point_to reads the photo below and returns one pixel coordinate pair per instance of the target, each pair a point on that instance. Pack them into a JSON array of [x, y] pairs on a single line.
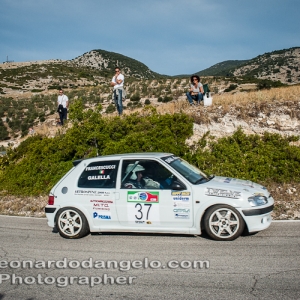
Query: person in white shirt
[[117, 82], [62, 100]]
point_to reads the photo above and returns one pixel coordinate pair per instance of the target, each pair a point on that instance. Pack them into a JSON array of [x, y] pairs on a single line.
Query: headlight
[[257, 200]]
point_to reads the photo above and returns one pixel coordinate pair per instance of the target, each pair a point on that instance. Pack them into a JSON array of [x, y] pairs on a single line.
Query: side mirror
[[178, 186]]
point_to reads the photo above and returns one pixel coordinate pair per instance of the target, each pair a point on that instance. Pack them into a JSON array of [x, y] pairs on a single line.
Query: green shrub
[[167, 99], [231, 88], [253, 157], [135, 97], [39, 162], [110, 109]]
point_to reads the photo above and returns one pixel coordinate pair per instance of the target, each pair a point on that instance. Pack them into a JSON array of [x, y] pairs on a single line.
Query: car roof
[[125, 155]]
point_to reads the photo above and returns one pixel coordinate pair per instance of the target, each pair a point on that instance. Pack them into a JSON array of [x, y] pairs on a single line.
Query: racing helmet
[[137, 168]]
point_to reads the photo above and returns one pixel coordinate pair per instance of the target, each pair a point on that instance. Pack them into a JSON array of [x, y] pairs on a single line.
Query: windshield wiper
[[211, 177], [200, 180]]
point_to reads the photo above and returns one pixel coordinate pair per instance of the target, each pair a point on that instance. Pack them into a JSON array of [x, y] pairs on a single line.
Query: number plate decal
[[143, 207]]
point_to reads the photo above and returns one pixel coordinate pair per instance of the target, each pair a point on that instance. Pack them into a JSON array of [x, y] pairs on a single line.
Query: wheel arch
[[83, 211], [201, 213]]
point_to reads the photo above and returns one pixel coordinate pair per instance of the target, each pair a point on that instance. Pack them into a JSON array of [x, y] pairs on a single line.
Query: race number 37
[[143, 212], [140, 213]]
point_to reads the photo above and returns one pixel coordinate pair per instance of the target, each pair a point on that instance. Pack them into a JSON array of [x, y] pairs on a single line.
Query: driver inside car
[[137, 180]]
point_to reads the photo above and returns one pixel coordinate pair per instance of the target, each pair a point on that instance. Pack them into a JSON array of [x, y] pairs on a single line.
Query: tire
[[71, 223], [223, 223]]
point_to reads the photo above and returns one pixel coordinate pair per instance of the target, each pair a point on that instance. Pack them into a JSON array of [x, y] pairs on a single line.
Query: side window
[[100, 174], [145, 174]]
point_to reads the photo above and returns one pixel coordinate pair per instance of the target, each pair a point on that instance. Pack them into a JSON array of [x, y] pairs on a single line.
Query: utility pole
[[8, 61]]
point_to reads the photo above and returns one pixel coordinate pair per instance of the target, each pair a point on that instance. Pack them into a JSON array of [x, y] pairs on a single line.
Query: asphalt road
[[262, 266]]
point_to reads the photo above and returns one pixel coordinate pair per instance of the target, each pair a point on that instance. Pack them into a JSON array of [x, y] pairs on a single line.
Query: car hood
[[237, 184]]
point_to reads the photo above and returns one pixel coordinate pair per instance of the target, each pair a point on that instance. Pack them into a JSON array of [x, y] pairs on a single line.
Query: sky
[[170, 37]]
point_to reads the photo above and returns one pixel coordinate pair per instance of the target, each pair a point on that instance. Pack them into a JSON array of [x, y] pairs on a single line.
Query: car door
[[97, 186], [153, 206]]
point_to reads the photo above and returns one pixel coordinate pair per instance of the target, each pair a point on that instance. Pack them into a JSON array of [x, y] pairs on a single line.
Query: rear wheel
[[71, 223], [223, 223]]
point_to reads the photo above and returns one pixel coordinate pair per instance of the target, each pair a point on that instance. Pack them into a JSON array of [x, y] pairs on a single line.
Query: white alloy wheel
[[223, 222], [71, 223]]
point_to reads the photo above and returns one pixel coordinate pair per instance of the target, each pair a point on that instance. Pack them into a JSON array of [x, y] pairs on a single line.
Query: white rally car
[[154, 192]]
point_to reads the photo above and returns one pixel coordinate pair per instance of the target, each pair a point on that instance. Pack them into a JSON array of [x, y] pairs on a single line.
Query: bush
[[167, 99], [135, 97], [251, 157], [110, 109], [39, 162], [231, 88]]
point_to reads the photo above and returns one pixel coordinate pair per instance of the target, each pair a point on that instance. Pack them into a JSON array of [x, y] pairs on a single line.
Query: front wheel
[[223, 223], [71, 223]]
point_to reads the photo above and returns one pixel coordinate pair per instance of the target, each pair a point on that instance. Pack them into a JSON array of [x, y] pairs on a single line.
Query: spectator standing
[[63, 103], [117, 82], [196, 90]]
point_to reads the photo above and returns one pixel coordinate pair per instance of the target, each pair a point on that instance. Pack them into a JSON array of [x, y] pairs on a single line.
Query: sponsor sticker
[[151, 197], [179, 198], [101, 204], [181, 216], [97, 193], [169, 159], [98, 177], [181, 210], [258, 194], [139, 222], [93, 168], [103, 216], [181, 193], [181, 203], [223, 193], [227, 180]]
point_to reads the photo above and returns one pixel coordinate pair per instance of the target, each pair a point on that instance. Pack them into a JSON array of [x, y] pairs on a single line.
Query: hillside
[[222, 68], [282, 65], [106, 61], [90, 69], [97, 66], [29, 89]]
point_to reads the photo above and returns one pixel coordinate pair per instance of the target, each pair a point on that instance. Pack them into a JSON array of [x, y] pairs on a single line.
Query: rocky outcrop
[[283, 119]]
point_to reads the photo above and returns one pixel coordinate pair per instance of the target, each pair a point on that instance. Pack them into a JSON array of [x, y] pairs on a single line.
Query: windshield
[[190, 172]]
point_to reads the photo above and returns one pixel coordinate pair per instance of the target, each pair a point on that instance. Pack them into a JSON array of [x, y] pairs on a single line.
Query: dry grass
[[227, 100], [290, 93]]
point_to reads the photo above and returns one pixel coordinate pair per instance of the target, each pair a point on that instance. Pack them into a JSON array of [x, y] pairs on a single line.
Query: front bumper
[[257, 211], [258, 219]]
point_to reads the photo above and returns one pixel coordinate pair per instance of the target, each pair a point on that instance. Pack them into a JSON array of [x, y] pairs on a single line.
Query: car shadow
[[146, 234], [203, 235]]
